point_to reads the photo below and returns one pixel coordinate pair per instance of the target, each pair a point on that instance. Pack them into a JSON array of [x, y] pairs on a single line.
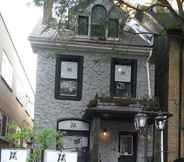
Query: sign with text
[[74, 125], [14, 155], [58, 156]]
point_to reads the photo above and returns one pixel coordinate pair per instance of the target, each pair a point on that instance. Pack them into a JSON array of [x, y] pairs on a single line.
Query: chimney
[[47, 11]]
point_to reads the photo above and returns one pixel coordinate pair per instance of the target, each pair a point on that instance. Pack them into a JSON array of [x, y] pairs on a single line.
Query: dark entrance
[[127, 147]]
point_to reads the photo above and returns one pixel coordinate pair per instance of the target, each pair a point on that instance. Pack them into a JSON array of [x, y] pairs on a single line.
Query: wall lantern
[[105, 132], [140, 122]]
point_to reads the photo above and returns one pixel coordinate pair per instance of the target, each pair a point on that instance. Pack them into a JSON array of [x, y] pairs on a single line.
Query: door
[[127, 147]]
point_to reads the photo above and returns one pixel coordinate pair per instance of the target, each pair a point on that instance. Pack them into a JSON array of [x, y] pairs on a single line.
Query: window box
[[69, 77]]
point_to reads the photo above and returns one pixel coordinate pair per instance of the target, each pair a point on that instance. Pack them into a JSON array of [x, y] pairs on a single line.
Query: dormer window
[[98, 21], [99, 25], [113, 28], [83, 25]]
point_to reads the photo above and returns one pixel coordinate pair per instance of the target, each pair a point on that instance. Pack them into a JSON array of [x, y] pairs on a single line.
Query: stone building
[[89, 82], [16, 93]]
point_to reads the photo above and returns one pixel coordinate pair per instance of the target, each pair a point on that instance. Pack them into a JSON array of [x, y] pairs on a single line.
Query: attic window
[[113, 28], [98, 21], [83, 25]]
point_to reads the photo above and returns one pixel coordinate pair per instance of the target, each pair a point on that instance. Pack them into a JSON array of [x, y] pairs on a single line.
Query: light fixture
[[160, 121], [105, 132], [140, 122]]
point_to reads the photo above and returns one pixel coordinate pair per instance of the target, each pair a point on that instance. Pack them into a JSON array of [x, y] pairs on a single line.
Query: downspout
[[148, 74]]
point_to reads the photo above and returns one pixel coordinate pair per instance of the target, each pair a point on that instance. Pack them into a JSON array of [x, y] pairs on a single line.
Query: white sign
[[123, 73], [69, 69], [73, 125], [14, 155], [58, 156]]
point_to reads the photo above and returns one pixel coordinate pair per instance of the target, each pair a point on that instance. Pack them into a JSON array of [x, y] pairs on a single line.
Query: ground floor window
[[75, 137]]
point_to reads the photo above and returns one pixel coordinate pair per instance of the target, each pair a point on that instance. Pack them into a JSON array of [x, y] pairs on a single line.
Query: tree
[[172, 9], [38, 139]]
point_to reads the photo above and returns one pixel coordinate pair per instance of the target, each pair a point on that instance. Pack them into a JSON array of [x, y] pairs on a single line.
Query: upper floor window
[[123, 77], [83, 25], [69, 77], [98, 18], [113, 28], [7, 70]]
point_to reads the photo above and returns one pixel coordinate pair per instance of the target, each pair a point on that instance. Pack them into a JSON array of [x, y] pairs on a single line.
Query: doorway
[[127, 147]]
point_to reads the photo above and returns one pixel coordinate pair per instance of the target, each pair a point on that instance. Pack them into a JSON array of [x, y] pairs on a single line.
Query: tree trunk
[[47, 11]]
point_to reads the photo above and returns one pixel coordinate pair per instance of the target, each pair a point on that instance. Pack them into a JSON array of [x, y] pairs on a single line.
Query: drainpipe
[[148, 74]]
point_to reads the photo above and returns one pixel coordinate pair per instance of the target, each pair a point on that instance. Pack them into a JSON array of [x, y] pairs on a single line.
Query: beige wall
[[8, 102]]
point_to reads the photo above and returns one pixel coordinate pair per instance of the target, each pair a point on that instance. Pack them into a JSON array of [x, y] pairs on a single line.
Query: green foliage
[[18, 135], [39, 139]]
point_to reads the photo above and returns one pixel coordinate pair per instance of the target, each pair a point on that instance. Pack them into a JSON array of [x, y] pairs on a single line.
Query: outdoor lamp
[[160, 121], [105, 132], [140, 121]]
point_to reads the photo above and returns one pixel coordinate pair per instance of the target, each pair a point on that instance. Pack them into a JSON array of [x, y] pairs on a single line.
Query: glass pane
[[68, 88], [7, 70], [123, 73], [78, 144], [126, 145], [98, 14], [69, 69], [98, 21], [83, 25], [113, 28], [122, 89]]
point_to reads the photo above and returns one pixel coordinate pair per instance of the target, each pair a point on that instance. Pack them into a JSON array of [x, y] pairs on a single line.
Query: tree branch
[[160, 3]]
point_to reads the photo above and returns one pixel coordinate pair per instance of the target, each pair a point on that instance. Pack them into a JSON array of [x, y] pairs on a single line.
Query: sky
[[21, 16]]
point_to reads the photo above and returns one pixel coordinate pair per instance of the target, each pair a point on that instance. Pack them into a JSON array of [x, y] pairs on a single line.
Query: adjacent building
[[16, 93], [91, 77]]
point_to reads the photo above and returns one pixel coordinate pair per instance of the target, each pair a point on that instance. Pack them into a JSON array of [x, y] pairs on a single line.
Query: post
[[162, 145]]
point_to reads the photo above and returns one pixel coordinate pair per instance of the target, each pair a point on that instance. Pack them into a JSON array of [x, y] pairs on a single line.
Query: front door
[[127, 147]]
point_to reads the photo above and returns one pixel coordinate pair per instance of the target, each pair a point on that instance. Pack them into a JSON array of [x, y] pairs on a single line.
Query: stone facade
[[96, 80], [97, 58]]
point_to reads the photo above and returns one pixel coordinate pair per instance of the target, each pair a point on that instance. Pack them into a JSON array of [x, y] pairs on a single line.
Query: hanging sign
[[74, 125], [58, 156], [14, 155]]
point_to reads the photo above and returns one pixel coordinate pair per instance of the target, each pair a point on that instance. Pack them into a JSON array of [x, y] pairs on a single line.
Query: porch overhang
[[122, 113]]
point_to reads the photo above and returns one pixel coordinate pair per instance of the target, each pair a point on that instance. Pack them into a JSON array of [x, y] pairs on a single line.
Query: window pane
[[77, 143], [68, 88], [69, 70], [113, 28], [126, 145], [83, 25], [122, 89], [98, 14], [123, 73], [98, 21], [7, 70]]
